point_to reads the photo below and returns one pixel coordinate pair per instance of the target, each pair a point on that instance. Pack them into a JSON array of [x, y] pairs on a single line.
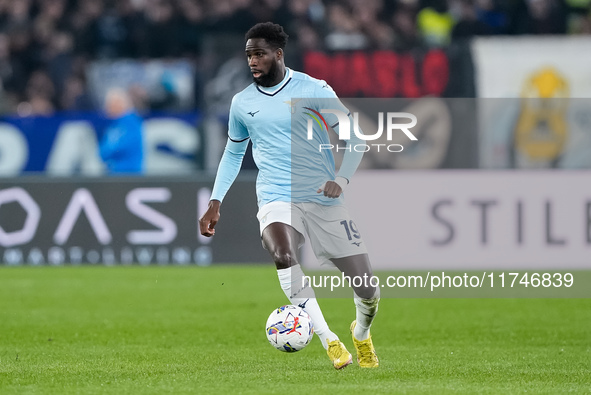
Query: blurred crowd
[[45, 45]]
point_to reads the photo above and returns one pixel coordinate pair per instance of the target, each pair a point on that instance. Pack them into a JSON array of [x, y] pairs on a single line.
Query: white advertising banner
[[469, 219], [509, 67], [535, 111]]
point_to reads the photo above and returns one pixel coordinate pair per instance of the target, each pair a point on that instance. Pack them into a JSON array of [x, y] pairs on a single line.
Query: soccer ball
[[289, 328]]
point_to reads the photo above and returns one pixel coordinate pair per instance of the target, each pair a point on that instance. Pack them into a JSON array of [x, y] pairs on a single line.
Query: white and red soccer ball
[[289, 328]]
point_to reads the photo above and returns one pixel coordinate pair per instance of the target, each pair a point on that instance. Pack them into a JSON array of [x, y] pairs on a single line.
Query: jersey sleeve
[[231, 161], [228, 168], [327, 98], [237, 131]]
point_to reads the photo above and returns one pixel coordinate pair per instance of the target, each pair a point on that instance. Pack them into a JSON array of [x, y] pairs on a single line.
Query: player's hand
[[211, 217], [333, 189]]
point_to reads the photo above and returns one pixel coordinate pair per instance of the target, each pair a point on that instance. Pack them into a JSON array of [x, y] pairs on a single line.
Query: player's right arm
[[228, 170]]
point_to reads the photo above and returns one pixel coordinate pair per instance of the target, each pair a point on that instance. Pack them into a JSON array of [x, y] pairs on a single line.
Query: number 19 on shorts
[[351, 229]]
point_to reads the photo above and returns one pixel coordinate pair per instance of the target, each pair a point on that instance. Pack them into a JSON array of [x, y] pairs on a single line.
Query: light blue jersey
[[291, 166]]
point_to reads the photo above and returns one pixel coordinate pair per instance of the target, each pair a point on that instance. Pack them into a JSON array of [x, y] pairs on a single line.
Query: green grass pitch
[[186, 330]]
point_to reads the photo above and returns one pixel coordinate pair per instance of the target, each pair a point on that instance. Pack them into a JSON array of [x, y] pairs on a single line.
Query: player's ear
[[279, 53]]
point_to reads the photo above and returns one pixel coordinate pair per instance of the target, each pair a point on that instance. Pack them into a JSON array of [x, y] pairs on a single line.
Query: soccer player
[[292, 200]]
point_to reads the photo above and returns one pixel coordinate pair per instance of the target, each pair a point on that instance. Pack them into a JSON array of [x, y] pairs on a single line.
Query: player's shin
[[299, 292], [366, 310]]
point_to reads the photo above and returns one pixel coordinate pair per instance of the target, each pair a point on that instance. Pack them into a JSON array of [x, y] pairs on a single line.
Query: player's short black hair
[[271, 32]]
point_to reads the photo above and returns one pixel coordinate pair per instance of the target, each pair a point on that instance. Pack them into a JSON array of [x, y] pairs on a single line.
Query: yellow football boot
[[338, 354], [366, 353]]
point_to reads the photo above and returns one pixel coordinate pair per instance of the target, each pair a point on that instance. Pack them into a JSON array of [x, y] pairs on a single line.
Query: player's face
[[263, 61]]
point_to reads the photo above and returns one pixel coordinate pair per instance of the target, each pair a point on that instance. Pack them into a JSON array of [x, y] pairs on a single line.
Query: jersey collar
[[273, 90]]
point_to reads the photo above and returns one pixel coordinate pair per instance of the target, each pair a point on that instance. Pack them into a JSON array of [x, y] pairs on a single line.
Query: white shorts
[[331, 231]]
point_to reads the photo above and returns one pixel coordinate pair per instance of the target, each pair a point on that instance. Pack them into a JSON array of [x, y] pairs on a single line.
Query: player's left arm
[[349, 165], [351, 159]]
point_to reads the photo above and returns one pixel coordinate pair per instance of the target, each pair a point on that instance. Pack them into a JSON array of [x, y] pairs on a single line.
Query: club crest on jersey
[[292, 104]]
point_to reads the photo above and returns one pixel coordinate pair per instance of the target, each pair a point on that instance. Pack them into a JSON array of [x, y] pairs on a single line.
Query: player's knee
[[368, 298], [368, 292], [283, 259]]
